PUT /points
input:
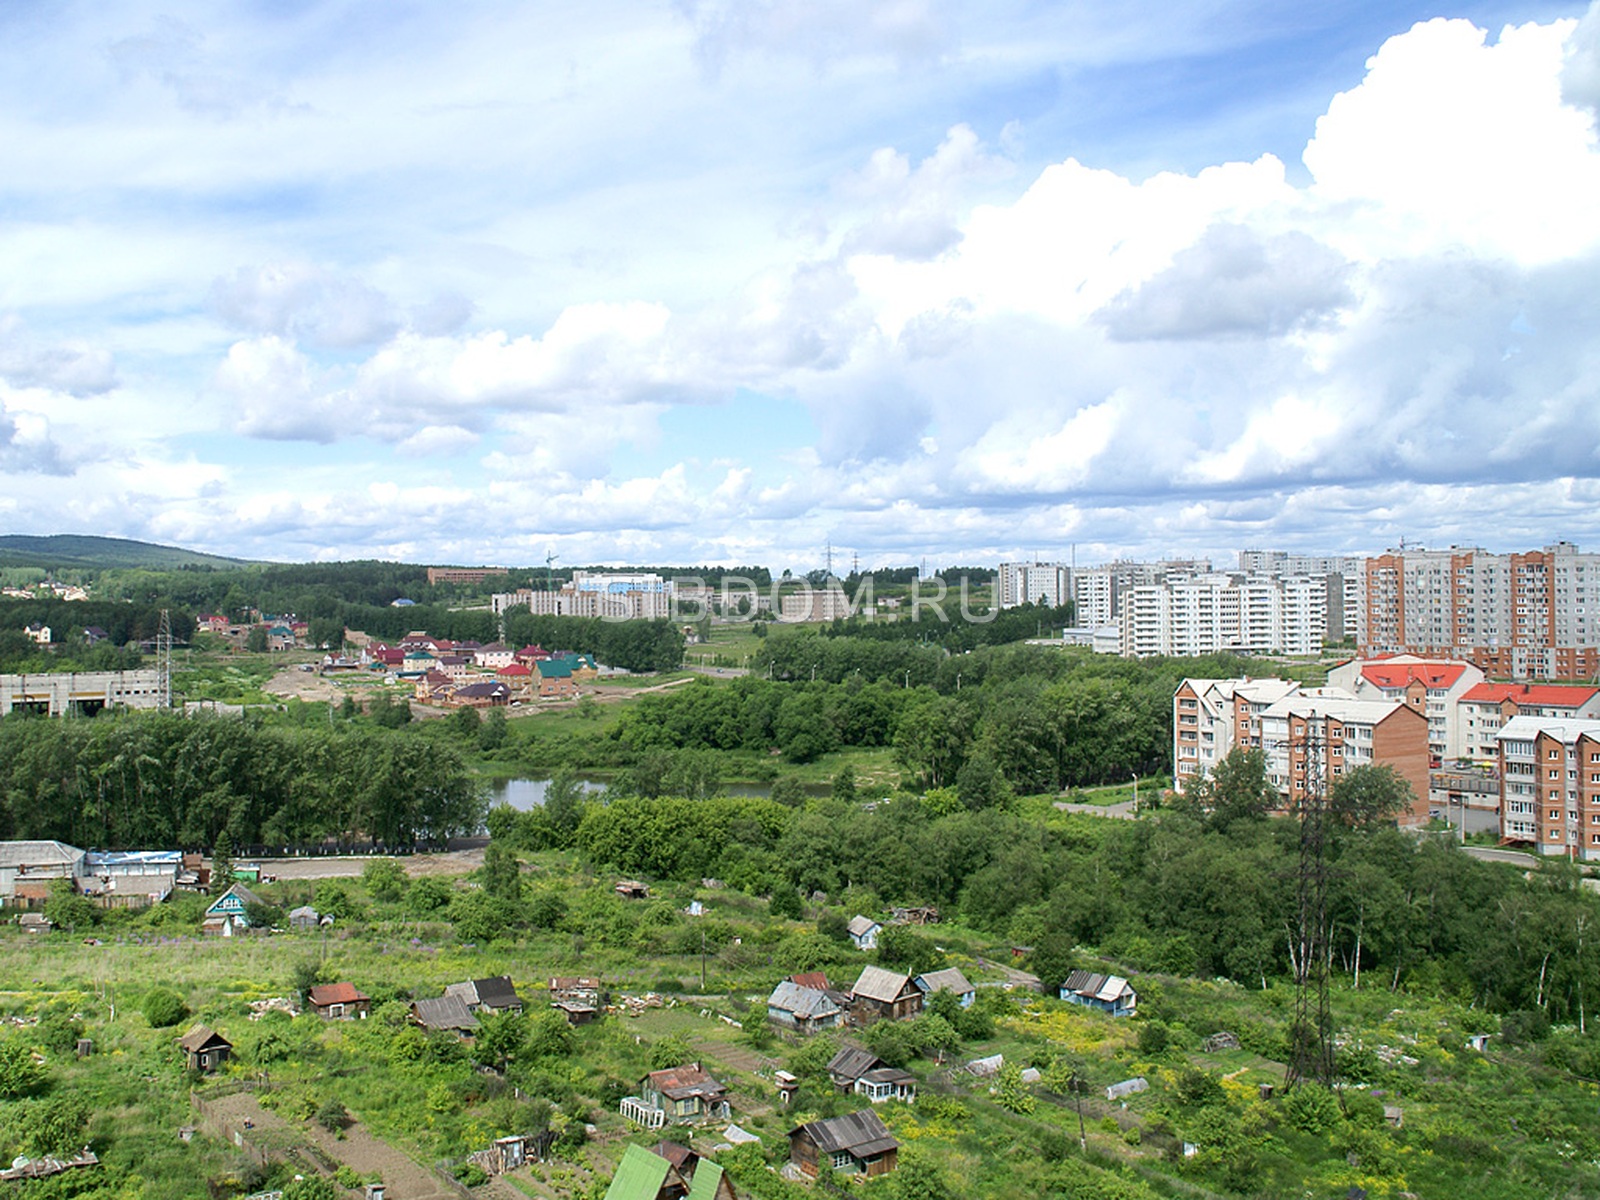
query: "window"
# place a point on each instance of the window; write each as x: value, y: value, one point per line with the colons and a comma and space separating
x: 841, y: 1159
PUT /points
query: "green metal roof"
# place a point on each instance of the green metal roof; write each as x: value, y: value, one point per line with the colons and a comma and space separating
x: 639, y: 1175
x: 706, y: 1177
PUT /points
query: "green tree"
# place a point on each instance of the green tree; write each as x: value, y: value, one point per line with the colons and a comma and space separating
x: 786, y: 903
x: 67, y: 909
x: 1370, y: 795
x: 221, y: 863
x: 670, y: 1051
x: 789, y: 790
x: 918, y: 1177
x: 1237, y: 791
x: 501, y: 1039
x: 256, y: 640
x: 307, y: 973
x: 899, y: 946
x: 1053, y: 960
x: 385, y: 880
x: 843, y: 785
x: 563, y: 808
x: 980, y: 785
x: 549, y: 1036
x: 1010, y: 1093
x: 428, y: 895
x: 163, y: 1008
x: 493, y: 734
x: 466, y: 722
x: 501, y: 874
x: 332, y: 1115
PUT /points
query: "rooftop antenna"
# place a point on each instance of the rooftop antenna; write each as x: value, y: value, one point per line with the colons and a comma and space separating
x: 550, y: 556
x: 829, y: 553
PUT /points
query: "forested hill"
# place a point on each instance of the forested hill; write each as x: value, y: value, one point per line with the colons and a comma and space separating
x: 80, y: 550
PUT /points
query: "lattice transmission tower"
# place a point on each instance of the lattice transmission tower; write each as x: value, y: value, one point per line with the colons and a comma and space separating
x: 164, y: 658
x: 1311, y: 1035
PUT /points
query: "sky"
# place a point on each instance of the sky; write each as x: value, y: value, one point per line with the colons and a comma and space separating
x: 734, y: 281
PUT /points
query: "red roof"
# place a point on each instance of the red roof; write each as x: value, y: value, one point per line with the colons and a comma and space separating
x: 816, y: 980
x: 514, y: 669
x: 325, y: 994
x: 1398, y: 675
x: 1542, y: 695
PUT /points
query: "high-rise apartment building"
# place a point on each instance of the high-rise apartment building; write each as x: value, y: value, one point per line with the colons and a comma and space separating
x: 1205, y: 614
x: 1527, y: 616
x: 1034, y: 583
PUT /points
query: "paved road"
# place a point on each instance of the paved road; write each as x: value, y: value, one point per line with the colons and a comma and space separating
x: 1494, y: 854
x: 1123, y: 811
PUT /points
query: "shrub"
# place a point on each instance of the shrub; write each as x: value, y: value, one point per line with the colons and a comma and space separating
x: 332, y: 1115
x: 164, y: 1008
x: 470, y: 1174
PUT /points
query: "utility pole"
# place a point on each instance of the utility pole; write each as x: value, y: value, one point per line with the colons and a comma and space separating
x: 702, y: 960
x: 1077, y: 1098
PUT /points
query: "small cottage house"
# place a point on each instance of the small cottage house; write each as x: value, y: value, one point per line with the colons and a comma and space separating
x: 1108, y: 993
x: 864, y: 932
x: 205, y: 1048
x: 339, y: 1002
x: 855, y: 1143
x: 886, y: 995
x: 802, y: 1009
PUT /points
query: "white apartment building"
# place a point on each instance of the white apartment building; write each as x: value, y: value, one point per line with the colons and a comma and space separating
x: 1346, y: 584
x: 1034, y: 583
x: 1204, y: 614
x: 613, y: 595
x: 1550, y: 784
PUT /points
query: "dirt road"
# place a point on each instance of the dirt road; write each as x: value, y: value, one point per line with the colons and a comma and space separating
x: 456, y: 862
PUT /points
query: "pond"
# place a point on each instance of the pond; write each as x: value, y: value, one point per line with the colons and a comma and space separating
x: 525, y: 794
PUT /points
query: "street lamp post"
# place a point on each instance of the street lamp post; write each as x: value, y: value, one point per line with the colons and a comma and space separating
x: 1136, y: 793
x: 908, y: 680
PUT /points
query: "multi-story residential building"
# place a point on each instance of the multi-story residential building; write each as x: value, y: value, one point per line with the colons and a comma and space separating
x: 1298, y: 729
x: 1328, y: 729
x: 1212, y: 716
x: 1097, y: 592
x: 463, y: 574
x: 1550, y: 781
x: 1534, y: 615
x: 1034, y: 583
x: 828, y: 603
x: 617, y: 596
x: 1485, y: 708
x: 1207, y: 613
x: 1344, y: 580
x: 1434, y: 687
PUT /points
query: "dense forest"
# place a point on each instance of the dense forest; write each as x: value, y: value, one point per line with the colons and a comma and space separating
x: 163, y: 780
x: 1044, y: 718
